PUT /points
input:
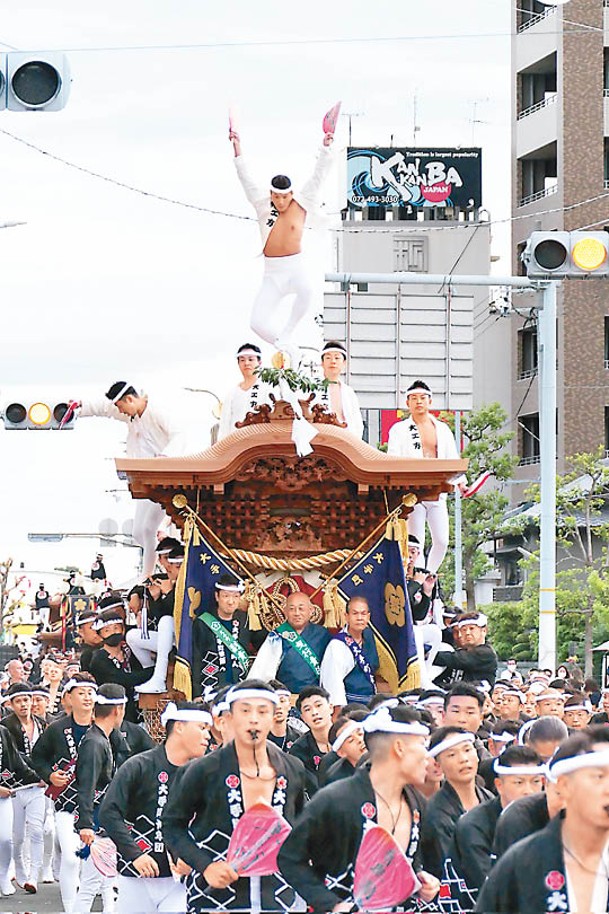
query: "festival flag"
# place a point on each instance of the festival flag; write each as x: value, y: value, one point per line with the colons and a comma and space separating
x: 379, y: 577
x: 201, y: 568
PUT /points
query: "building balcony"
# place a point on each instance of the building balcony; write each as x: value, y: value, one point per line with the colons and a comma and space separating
x: 537, y: 126
x: 536, y: 38
x: 606, y: 110
x: 538, y: 195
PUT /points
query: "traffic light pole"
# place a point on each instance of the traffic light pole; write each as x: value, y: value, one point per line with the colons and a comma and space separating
x: 547, y: 452
x: 547, y: 421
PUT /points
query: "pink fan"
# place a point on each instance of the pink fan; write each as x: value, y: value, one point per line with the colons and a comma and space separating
x: 103, y: 855
x: 331, y: 119
x: 232, y: 120
x: 476, y: 484
x: 383, y: 877
x: 256, y: 840
x: 69, y: 413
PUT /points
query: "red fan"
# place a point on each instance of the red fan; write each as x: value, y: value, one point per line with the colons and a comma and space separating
x: 383, y: 877
x: 103, y: 855
x: 69, y: 413
x: 53, y: 791
x: 477, y: 484
x: 331, y: 119
x: 256, y: 840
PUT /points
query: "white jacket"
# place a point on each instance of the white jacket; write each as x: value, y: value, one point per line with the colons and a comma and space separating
x: 350, y: 405
x: 238, y: 403
x: 260, y: 198
x: 157, y: 432
x: 404, y: 437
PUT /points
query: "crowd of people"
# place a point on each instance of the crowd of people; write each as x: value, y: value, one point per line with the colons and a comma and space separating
x: 495, y: 787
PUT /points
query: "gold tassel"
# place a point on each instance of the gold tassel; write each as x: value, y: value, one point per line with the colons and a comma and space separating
x: 334, y: 605
x: 253, y: 608
x: 182, y: 680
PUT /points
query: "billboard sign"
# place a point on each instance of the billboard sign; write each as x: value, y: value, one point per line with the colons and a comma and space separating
x: 390, y: 177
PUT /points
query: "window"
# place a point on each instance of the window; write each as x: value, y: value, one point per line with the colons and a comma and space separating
x: 529, y: 439
x: 527, y: 353
x: 607, y: 431
x: 607, y: 342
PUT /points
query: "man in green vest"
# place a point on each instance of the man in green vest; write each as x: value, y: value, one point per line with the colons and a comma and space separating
x: 221, y: 641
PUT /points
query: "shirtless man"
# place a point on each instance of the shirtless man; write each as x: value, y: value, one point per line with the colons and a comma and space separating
x: 281, y: 217
x: 248, y: 394
x: 338, y: 397
x: 425, y: 436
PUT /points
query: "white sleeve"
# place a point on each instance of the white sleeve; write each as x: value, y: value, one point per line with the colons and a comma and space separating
x: 450, y: 449
x: 353, y: 413
x: 172, y: 423
x: 225, y: 416
x: 338, y: 661
x: 394, y: 445
x: 253, y: 192
x: 267, y: 662
x: 312, y: 188
x: 102, y: 408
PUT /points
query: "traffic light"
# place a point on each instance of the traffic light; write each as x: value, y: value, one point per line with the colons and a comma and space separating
x: 38, y: 415
x: 34, y: 81
x: 567, y: 255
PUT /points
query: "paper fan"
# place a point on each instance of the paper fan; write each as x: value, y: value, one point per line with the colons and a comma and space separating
x: 383, y: 877
x: 103, y: 855
x: 476, y: 484
x: 256, y: 840
x: 331, y: 119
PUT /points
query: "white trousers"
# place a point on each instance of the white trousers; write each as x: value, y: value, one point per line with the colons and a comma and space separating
x: 92, y: 883
x: 28, y: 811
x: 436, y: 515
x: 427, y: 636
x: 271, y: 319
x: 6, y: 839
x: 69, y: 867
x: 147, y: 519
x: 146, y: 894
x: 157, y: 644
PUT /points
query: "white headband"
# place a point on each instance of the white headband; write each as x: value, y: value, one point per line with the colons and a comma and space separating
x: 481, y: 621
x: 172, y: 712
x: 74, y: 683
x: 333, y: 349
x: 418, y: 390
x: 243, y: 694
x: 577, y: 708
x: 598, y: 759
x: 518, y: 695
x: 231, y: 588
x: 381, y: 721
x: 283, y: 190
x: 165, y: 550
x: 518, y: 769
x: 103, y: 700
x: 543, y: 696
x: 250, y: 351
x: 432, y: 700
x: 453, y: 740
x: 523, y: 731
x: 101, y: 623
x: 122, y: 392
x: 347, y: 731
x: 220, y: 708
x: 502, y: 737
x: 285, y: 692
x: 177, y: 560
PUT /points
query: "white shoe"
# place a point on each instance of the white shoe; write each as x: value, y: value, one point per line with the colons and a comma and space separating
x: 154, y: 686
x: 30, y: 887
x: 7, y: 888
x: 47, y: 877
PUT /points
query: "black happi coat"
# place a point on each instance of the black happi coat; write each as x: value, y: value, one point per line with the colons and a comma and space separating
x: 443, y: 810
x: 339, y: 769
x: 318, y: 856
x: 107, y: 669
x: 211, y: 660
x: 204, y: 806
x: 306, y: 749
x: 13, y: 724
x: 57, y: 749
x: 131, y: 810
x: 130, y: 740
x: 14, y: 771
x: 519, y: 820
x: 473, y: 842
x: 530, y: 878
x: 477, y: 663
x: 94, y: 771
x: 286, y: 742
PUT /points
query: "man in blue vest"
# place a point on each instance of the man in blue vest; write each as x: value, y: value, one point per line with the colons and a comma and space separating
x: 351, y: 660
x: 293, y: 652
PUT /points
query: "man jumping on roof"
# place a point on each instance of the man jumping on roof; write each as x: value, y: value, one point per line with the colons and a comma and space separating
x: 282, y: 213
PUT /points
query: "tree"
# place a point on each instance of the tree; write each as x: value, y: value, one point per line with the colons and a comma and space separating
x: 485, y: 446
x: 582, y: 574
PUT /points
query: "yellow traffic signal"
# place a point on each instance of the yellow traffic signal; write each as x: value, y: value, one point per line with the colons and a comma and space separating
x: 37, y: 415
x: 567, y: 255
